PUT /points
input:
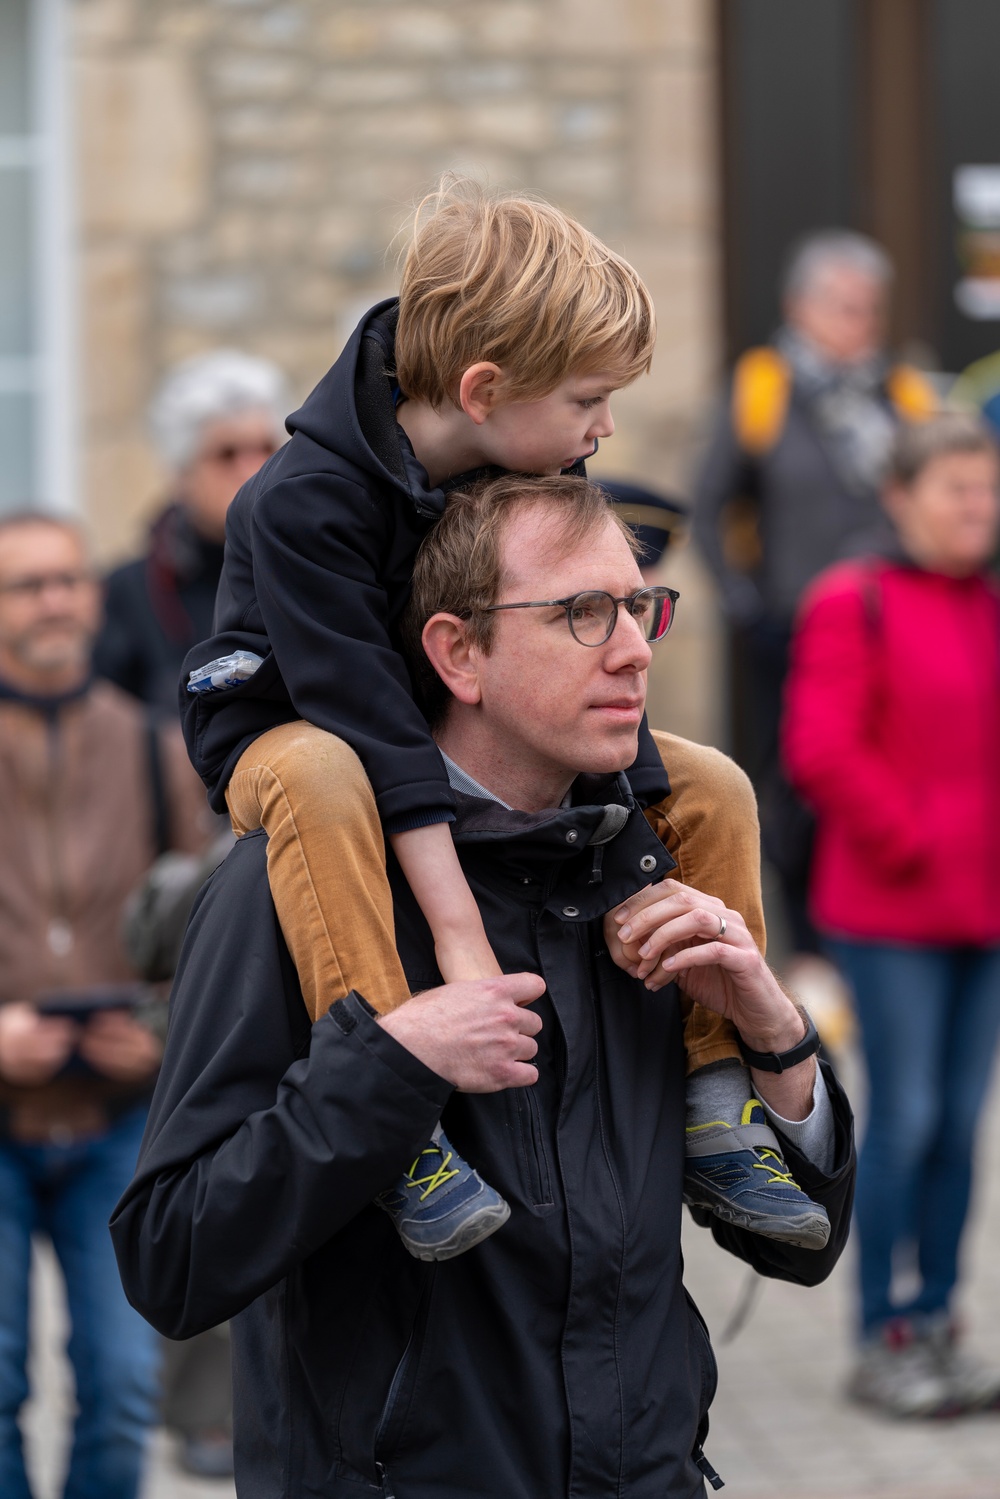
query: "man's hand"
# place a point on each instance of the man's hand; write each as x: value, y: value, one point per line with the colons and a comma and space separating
x: 475, y: 1034
x: 119, y: 1047
x: 33, y: 1047
x: 670, y: 931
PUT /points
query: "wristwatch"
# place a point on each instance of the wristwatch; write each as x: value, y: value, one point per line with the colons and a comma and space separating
x: 780, y: 1061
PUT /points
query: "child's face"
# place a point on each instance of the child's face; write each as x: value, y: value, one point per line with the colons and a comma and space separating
x: 553, y: 432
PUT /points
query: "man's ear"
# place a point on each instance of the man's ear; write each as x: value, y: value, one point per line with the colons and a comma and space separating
x: 447, y: 648
x: 479, y: 391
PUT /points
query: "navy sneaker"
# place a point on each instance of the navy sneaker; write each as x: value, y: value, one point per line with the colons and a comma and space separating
x: 441, y: 1206
x: 738, y: 1173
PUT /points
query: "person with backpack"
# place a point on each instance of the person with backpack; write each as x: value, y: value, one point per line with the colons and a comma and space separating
x: 90, y: 791
x: 788, y: 484
x: 892, y: 734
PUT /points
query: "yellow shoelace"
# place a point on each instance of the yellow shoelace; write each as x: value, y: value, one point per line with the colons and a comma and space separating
x: 785, y: 1177
x: 438, y: 1176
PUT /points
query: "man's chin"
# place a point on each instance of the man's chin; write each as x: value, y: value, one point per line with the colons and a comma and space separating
x: 607, y: 755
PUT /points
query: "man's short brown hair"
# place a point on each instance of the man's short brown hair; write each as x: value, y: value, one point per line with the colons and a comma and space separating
x: 459, y: 567
x: 515, y: 282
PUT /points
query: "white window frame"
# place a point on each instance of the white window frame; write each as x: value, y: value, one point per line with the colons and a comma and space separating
x: 49, y: 373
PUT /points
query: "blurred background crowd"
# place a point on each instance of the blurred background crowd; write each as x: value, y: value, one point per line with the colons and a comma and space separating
x: 196, y: 201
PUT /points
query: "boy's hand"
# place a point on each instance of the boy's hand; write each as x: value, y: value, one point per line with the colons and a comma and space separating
x: 477, y: 1035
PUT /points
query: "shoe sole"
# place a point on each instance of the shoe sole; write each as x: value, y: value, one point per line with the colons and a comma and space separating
x: 812, y: 1232
x: 470, y: 1233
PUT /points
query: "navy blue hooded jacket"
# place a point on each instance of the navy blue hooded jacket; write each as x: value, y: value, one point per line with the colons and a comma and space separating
x: 319, y: 558
x: 562, y: 1357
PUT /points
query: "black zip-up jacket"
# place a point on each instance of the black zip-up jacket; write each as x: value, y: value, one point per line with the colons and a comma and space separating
x: 156, y: 608
x: 319, y: 558
x: 562, y: 1357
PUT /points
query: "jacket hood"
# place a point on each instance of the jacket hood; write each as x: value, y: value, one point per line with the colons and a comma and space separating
x: 352, y: 411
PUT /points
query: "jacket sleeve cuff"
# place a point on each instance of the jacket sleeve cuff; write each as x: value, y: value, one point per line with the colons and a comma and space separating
x: 354, y: 1013
x: 406, y: 823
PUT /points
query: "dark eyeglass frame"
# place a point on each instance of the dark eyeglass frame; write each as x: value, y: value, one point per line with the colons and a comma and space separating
x: 659, y: 595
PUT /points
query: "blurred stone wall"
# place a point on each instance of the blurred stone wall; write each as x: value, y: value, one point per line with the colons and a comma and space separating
x: 243, y: 166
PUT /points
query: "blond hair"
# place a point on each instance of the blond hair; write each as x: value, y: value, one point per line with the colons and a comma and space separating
x: 459, y: 567
x: 515, y: 282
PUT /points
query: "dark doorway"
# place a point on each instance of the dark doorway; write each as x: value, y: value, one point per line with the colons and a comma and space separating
x: 860, y: 113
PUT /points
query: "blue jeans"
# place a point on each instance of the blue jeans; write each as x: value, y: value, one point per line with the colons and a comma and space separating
x: 929, y: 1020
x: 68, y: 1192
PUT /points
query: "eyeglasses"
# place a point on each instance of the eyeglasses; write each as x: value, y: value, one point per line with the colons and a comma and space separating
x: 592, y: 616
x: 33, y: 586
x: 231, y: 451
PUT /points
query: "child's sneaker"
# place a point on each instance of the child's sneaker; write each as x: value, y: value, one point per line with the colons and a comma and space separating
x: 441, y: 1206
x: 738, y: 1173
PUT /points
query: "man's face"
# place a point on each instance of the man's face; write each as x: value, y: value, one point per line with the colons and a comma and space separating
x: 553, y: 707
x: 842, y: 313
x: 50, y: 607
x: 230, y: 452
x: 553, y: 432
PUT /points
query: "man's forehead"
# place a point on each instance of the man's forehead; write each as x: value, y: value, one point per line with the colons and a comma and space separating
x: 537, y: 555
x: 38, y: 544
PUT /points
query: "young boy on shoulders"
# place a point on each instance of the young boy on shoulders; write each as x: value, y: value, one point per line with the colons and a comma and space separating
x: 513, y: 328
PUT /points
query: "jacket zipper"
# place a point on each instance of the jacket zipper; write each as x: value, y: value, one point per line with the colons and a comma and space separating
x: 387, y: 1488
x: 383, y: 1420
x: 606, y: 1152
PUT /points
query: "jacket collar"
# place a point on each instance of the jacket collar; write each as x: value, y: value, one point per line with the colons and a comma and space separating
x: 47, y: 705
x: 587, y: 856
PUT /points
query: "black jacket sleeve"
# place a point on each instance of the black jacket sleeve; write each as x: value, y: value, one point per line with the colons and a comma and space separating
x: 325, y: 560
x: 724, y: 473
x: 805, y: 1267
x: 266, y: 1135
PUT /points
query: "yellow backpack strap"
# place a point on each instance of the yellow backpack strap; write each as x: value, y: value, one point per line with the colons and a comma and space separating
x: 911, y: 393
x: 762, y: 383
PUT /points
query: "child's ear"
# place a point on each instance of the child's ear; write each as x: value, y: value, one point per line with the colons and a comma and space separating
x: 447, y: 648
x: 479, y: 390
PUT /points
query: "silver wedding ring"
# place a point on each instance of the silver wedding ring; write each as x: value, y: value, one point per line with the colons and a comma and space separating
x: 722, y: 926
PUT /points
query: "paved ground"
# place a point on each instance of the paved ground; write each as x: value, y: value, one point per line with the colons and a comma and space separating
x: 780, y: 1427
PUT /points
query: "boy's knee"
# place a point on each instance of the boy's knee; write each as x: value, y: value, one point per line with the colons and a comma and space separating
x: 301, y: 767
x: 299, y: 752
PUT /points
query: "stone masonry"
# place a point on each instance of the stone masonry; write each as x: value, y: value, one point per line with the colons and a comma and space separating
x: 243, y: 166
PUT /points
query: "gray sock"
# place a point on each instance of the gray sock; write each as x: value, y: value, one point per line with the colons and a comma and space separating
x: 718, y: 1091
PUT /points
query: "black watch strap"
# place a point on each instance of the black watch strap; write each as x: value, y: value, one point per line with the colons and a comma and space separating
x: 780, y: 1061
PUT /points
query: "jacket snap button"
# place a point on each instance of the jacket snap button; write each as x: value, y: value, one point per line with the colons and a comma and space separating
x: 647, y: 863
x: 572, y: 835
x: 571, y: 910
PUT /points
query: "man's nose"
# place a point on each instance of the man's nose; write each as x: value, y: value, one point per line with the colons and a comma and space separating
x: 628, y: 646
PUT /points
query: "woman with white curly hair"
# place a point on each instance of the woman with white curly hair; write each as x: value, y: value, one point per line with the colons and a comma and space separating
x: 214, y: 420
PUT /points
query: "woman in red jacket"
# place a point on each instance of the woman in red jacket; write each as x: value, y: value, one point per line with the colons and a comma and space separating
x: 892, y: 734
